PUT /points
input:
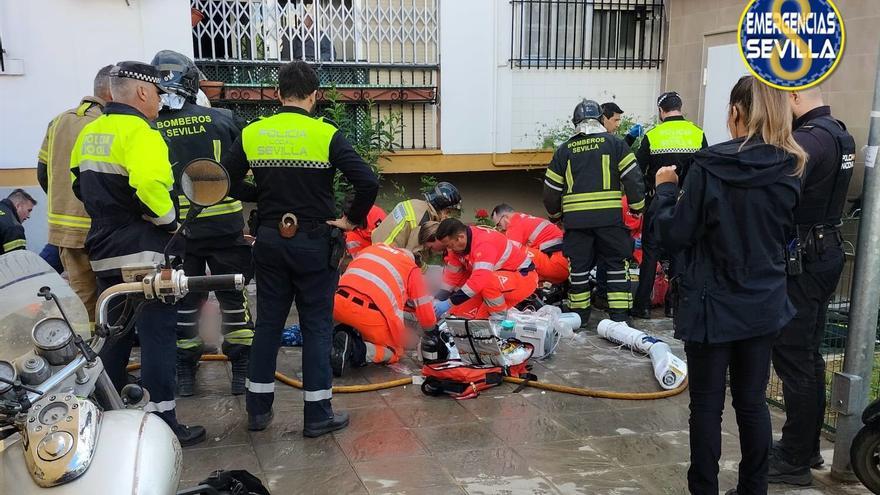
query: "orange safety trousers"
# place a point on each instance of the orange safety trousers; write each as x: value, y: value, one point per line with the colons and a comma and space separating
x: 551, y: 268
x: 505, y: 290
x: 384, y: 342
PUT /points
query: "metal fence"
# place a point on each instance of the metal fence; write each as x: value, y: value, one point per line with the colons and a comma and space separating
x: 836, y: 327
x: 617, y: 34
x: 357, y: 32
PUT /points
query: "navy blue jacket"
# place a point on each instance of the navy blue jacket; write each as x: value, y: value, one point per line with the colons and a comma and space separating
x: 730, y: 224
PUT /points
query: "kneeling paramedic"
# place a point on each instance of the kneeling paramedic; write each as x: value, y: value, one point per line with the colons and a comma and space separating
x: 379, y: 285
x: 541, y: 238
x: 402, y: 225
x: 485, y: 273
x: 582, y: 186
x: 121, y: 173
x: 294, y: 158
x: 214, y: 238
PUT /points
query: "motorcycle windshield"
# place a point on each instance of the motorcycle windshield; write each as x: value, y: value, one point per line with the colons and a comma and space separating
x: 22, y: 274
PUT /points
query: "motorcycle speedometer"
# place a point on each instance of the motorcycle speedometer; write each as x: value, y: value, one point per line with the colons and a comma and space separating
x: 7, y: 371
x: 50, y: 334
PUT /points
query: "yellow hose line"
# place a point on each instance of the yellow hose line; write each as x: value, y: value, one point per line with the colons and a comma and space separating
x: 586, y: 392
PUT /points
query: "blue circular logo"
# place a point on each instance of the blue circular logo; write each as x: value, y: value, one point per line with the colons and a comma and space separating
x: 791, y: 44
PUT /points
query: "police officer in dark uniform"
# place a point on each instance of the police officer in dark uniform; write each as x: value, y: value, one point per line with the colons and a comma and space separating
x: 796, y: 356
x: 214, y: 238
x: 671, y: 142
x: 582, y: 186
x: 294, y: 158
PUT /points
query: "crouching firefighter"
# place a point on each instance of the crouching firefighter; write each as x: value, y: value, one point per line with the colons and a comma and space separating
x: 214, y: 238
x: 485, y: 273
x: 402, y: 226
x: 542, y: 239
x: 379, y: 285
x: 582, y: 186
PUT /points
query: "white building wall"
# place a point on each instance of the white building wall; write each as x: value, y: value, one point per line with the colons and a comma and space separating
x: 61, y: 44
x: 487, y: 106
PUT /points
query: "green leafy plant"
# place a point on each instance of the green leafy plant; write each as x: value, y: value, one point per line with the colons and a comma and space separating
x: 428, y: 183
x: 369, y: 138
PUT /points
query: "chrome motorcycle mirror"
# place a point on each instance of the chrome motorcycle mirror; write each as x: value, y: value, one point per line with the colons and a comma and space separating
x: 204, y: 182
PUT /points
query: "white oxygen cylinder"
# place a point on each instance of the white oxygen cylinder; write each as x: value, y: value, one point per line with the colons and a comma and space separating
x: 669, y: 370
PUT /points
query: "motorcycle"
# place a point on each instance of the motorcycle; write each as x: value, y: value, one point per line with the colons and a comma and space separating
x: 865, y: 450
x: 63, y: 425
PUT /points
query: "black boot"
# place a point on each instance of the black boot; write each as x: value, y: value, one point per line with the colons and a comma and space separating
x: 781, y: 471
x: 238, y: 355
x: 643, y: 313
x: 186, y: 377
x: 337, y: 422
x: 816, y: 460
x: 259, y: 422
x: 189, y: 435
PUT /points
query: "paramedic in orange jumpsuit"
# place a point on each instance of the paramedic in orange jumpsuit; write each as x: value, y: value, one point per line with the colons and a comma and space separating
x: 360, y: 237
x: 541, y: 238
x: 379, y: 284
x: 485, y: 273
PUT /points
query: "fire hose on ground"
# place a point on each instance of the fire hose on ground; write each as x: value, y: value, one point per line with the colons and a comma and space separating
x: 586, y: 392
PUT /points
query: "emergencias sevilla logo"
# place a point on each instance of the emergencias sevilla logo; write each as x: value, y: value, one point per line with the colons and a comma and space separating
x: 791, y: 44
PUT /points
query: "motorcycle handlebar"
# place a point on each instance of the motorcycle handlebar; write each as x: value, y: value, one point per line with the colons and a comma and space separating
x: 215, y: 282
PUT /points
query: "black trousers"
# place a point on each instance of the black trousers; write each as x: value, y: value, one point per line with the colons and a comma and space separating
x: 287, y: 271
x: 796, y: 356
x: 155, y: 326
x: 748, y: 362
x: 610, y: 246
x: 651, y: 254
x: 222, y: 256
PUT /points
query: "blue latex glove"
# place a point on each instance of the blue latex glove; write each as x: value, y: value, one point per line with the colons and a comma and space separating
x: 442, y: 295
x: 635, y: 131
x: 458, y: 297
x: 441, y: 307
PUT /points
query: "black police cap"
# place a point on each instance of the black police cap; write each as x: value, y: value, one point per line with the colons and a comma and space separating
x: 140, y: 71
x: 669, y: 100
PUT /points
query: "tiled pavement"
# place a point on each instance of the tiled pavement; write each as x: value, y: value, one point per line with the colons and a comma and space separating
x: 400, y: 441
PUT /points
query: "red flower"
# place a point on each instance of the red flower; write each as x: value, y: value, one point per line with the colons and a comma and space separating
x: 482, y: 213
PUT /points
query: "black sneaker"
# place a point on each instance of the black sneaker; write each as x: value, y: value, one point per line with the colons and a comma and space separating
x: 781, y: 471
x: 340, y: 356
x: 186, y: 378
x: 337, y: 422
x: 259, y: 422
x: 816, y: 460
x: 190, y: 435
x: 643, y: 313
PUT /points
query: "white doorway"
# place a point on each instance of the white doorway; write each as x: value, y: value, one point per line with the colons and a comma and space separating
x: 723, y: 68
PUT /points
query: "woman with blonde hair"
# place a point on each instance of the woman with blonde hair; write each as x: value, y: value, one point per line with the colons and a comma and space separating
x: 732, y: 223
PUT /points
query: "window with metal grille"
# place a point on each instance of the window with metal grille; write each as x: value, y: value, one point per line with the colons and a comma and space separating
x: 586, y: 33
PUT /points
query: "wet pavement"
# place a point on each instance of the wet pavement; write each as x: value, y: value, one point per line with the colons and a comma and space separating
x: 502, y: 442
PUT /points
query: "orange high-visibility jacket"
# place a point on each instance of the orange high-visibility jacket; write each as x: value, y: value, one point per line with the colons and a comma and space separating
x: 359, y: 238
x: 534, y: 232
x: 487, y: 251
x: 392, y: 280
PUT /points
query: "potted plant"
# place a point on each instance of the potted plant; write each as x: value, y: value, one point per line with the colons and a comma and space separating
x: 196, y: 15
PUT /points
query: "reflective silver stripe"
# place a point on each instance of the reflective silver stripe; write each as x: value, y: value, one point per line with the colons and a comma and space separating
x: 452, y: 268
x: 628, y: 170
x: 234, y: 323
x: 371, y: 352
x: 617, y: 281
x: 423, y: 300
x: 359, y: 272
x: 508, y: 248
x: 615, y: 272
x: 350, y: 245
x: 526, y: 263
x: 483, y: 265
x: 165, y: 405
x: 549, y: 244
x: 388, y: 266
x: 497, y: 301
x: 186, y: 311
x: 186, y: 324
x: 102, y: 167
x: 552, y: 186
x: 316, y: 395
x: 233, y: 310
x: 141, y: 258
x: 165, y: 219
x: 467, y: 290
x: 580, y: 274
x: 580, y: 283
x: 260, y: 388
x: 534, y: 235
